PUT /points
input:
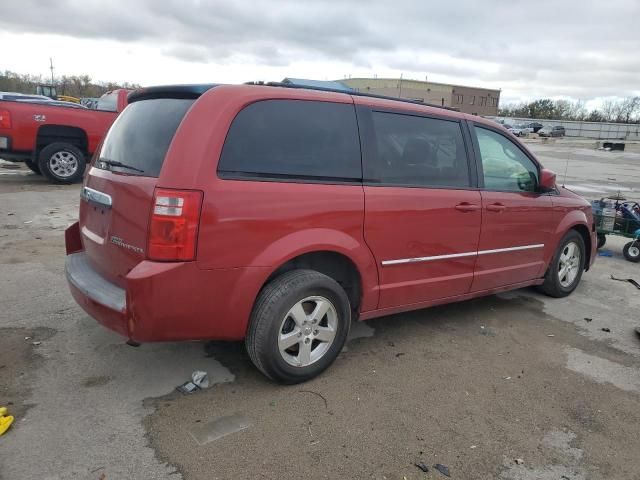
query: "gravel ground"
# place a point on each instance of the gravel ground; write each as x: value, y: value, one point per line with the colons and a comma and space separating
x: 514, y: 386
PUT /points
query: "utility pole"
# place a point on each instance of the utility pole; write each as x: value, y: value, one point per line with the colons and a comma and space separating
x: 400, y: 87
x: 51, y: 68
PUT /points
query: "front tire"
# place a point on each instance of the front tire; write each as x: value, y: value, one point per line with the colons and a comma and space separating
x: 631, y: 251
x: 298, y: 326
x: 566, y: 267
x: 62, y: 162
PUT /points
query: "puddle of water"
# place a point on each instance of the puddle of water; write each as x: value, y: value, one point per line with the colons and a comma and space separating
x: 219, y: 428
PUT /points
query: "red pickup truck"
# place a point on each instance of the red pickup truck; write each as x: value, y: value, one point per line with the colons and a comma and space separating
x: 56, y: 140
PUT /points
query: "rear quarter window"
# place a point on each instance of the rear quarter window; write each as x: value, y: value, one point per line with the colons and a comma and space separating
x: 293, y: 139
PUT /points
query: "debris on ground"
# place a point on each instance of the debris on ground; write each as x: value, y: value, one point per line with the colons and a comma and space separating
x: 638, y: 330
x: 630, y: 280
x: 605, y: 253
x: 550, y: 335
x: 326, y: 404
x: 519, y: 461
x: 606, y: 329
x: 199, y: 381
x: 443, y: 469
x: 422, y: 466
x: 36, y: 343
x: 5, y: 420
x: 587, y: 319
x: 399, y: 354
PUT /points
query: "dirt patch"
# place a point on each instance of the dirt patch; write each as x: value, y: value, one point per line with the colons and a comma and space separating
x: 19, y: 359
x: 96, y: 381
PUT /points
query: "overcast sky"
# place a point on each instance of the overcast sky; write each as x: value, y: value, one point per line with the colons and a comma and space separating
x: 586, y: 49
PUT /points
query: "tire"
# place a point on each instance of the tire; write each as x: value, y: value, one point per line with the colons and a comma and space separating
x: 631, y: 251
x: 559, y: 286
x: 602, y: 239
x: 274, y: 319
x: 62, y: 162
x: 33, y: 166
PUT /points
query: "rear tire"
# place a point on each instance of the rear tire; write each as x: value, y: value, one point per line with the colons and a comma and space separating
x: 566, y: 267
x: 631, y: 251
x: 291, y: 337
x: 33, y: 166
x: 62, y: 162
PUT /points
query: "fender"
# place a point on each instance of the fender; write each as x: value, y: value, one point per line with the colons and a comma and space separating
x: 323, y: 239
x: 570, y: 219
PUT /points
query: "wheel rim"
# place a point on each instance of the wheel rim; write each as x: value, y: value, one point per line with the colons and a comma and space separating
x: 63, y: 164
x: 569, y: 264
x: 634, y: 251
x: 307, y: 331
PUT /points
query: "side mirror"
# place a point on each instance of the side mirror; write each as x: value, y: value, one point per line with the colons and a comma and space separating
x: 547, y: 180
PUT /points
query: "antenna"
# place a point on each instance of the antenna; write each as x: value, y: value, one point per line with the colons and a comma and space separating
x: 566, y: 168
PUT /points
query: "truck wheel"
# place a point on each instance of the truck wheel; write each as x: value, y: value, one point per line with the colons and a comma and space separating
x: 566, y: 267
x: 33, y: 166
x: 298, y: 326
x: 631, y: 251
x: 62, y: 162
x: 602, y: 239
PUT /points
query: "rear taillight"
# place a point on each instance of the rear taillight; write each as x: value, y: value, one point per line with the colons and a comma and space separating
x: 173, y: 230
x: 5, y: 119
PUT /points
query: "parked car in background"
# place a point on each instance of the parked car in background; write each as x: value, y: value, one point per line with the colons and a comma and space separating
x: 534, y: 126
x: 277, y: 215
x: 557, y: 131
x: 55, y: 138
x: 520, y: 130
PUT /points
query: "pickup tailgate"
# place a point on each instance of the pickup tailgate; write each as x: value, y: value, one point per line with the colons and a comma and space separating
x: 118, y: 192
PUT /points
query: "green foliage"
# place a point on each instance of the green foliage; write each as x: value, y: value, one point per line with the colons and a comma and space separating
x: 624, y: 110
x: 75, y: 86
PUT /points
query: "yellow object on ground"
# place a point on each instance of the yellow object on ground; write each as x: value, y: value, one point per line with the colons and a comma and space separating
x: 3, y: 411
x: 5, y: 423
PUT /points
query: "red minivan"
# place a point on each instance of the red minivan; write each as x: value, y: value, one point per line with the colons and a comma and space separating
x: 278, y: 215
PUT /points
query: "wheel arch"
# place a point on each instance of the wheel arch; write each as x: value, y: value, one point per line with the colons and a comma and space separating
x: 48, y: 134
x: 329, y: 250
x: 574, y: 220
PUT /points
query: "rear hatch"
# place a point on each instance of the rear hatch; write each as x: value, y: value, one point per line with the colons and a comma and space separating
x: 118, y: 192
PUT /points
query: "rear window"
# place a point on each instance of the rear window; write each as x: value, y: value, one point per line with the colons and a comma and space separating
x: 108, y: 102
x: 293, y: 139
x: 141, y: 135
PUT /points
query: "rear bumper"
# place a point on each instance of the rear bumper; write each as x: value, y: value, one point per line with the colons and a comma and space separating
x: 99, y: 298
x: 166, y: 301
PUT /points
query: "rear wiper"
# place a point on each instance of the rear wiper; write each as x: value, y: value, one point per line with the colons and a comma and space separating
x: 115, y: 163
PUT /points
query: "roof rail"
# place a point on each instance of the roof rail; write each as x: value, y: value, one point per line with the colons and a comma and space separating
x: 353, y: 92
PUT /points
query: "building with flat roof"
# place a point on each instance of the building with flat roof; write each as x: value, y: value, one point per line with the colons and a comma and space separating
x: 473, y: 100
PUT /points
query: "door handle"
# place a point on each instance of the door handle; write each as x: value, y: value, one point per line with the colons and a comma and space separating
x: 496, y: 207
x: 467, y: 207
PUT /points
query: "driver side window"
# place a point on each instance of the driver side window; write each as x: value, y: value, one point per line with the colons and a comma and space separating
x: 504, y: 165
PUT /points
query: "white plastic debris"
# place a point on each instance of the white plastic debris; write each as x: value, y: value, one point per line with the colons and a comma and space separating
x: 200, y: 378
